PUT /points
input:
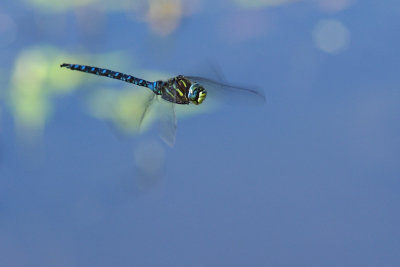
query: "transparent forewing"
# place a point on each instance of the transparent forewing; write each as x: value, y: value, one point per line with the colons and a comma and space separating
x: 167, y: 125
x: 228, y: 93
x: 167, y: 119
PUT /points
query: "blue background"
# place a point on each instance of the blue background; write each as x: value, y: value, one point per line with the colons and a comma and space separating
x: 311, y: 178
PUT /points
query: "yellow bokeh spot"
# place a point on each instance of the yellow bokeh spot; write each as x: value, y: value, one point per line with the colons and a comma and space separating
x: 64, y: 6
x: 164, y: 15
x: 36, y: 78
x: 31, y: 112
x: 59, y: 6
x: 123, y: 108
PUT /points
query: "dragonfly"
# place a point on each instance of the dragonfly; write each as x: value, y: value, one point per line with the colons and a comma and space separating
x: 178, y: 90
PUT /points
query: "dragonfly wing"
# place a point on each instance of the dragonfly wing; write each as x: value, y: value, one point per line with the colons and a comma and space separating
x: 167, y: 118
x: 149, y: 102
x: 229, y: 93
x: 168, y: 123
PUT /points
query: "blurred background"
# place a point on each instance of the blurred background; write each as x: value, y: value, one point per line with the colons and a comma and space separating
x: 311, y: 178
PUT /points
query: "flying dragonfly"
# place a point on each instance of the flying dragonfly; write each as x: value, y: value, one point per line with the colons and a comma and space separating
x: 178, y: 90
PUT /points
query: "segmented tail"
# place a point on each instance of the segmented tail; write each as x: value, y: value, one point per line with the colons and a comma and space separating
x: 113, y: 74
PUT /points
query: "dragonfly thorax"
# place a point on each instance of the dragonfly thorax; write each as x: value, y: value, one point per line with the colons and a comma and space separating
x: 181, y: 90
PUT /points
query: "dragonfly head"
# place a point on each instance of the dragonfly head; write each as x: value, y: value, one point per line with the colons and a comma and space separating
x: 197, y: 94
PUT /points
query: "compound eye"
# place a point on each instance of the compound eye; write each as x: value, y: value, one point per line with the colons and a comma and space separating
x: 194, y: 95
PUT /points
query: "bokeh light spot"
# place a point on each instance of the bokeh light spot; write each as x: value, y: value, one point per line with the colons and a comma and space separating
x: 331, y: 36
x: 334, y: 5
x: 164, y: 15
